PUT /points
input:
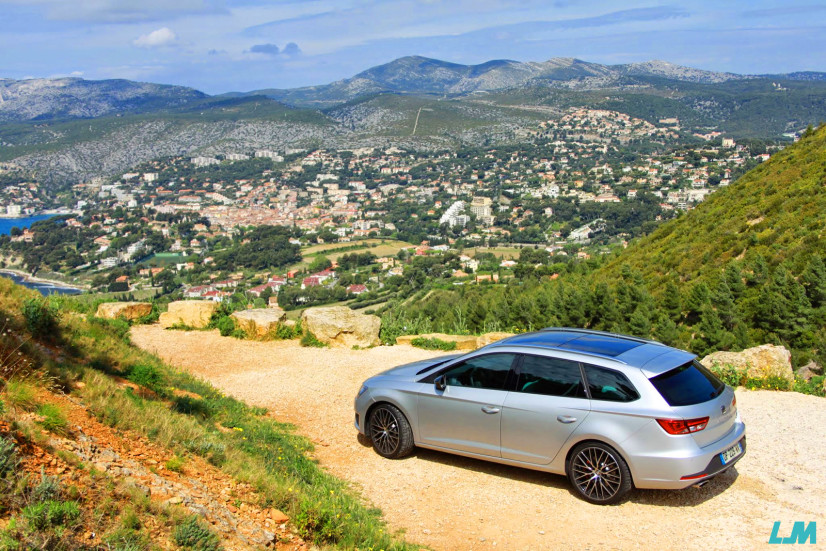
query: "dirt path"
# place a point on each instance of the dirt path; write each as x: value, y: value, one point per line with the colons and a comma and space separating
x: 449, y: 502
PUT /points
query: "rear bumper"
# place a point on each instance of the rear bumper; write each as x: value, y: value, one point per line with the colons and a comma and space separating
x: 680, y: 470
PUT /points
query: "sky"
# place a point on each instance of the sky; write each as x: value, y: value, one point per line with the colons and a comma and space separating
x: 241, y: 45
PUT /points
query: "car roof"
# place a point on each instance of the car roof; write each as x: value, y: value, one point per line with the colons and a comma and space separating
x: 651, y: 356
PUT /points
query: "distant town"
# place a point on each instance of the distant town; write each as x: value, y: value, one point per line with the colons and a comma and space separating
x: 579, y: 185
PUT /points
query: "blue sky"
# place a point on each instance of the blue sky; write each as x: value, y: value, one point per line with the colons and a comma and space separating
x: 224, y: 45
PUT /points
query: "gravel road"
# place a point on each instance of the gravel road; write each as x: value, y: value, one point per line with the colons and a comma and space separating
x: 449, y: 502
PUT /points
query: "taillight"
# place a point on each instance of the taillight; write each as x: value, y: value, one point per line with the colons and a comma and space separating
x: 734, y: 402
x: 683, y: 426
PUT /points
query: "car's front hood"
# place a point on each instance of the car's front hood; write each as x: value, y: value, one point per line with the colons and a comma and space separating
x: 409, y: 371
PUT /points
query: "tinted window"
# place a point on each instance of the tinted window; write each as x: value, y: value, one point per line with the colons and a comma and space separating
x: 550, y: 376
x: 688, y: 384
x: 489, y: 371
x: 609, y: 385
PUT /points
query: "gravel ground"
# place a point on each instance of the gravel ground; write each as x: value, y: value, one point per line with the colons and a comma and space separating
x: 449, y: 502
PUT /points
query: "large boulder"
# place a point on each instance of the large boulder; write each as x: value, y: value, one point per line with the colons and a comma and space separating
x: 488, y: 338
x: 259, y: 321
x: 463, y: 342
x: 125, y: 310
x: 191, y: 313
x: 761, y: 361
x: 340, y: 327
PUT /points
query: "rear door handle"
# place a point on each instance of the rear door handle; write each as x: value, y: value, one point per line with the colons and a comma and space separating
x: 490, y: 409
x: 565, y: 419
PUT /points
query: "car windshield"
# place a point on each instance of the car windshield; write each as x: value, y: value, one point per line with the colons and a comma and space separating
x: 688, y: 384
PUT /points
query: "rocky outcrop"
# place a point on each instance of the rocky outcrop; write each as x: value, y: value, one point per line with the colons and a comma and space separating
x: 340, y: 327
x: 759, y: 362
x: 259, y: 322
x: 125, y: 310
x: 191, y: 313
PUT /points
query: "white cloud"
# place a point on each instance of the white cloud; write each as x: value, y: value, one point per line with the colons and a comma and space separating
x: 161, y: 37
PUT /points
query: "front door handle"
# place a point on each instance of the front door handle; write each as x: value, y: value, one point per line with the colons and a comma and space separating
x: 565, y: 419
x: 490, y: 409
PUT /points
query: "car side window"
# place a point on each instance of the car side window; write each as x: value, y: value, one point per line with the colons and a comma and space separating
x: 609, y: 385
x: 489, y: 371
x: 551, y: 377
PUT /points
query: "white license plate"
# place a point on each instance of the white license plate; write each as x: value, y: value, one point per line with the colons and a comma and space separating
x: 731, y: 453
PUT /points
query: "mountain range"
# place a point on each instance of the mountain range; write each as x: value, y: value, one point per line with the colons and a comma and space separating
x: 71, y: 129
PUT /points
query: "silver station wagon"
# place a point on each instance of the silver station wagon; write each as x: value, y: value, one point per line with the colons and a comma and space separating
x: 611, y: 412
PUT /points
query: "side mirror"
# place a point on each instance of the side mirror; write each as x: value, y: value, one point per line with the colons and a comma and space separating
x: 440, y: 382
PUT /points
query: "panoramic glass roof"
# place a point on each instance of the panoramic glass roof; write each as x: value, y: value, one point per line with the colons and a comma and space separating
x: 604, y: 345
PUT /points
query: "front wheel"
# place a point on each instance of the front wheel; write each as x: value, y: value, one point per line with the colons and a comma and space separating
x: 599, y: 474
x: 390, y: 432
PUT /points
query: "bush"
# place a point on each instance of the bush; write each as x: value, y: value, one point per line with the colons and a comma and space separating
x: 20, y: 394
x: 47, y: 514
x: 147, y: 376
x: 48, y: 489
x: 175, y: 463
x: 433, y: 344
x: 224, y: 324
x: 41, y: 318
x: 8, y: 457
x: 284, y: 332
x: 308, y: 339
x: 54, y: 420
x: 195, y: 535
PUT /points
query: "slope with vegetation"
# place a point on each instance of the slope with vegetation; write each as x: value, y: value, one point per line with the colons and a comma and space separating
x: 104, y: 445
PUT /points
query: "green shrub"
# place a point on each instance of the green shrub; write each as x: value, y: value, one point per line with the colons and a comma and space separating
x: 47, y: 514
x: 224, y: 324
x: 433, y: 344
x: 9, y: 461
x: 175, y: 463
x: 20, y: 394
x: 41, y: 318
x: 195, y: 535
x: 48, y: 489
x: 54, y: 420
x: 284, y: 332
x: 814, y: 386
x: 148, y: 376
x: 308, y: 339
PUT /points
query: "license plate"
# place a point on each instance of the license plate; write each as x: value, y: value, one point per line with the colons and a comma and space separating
x: 731, y: 453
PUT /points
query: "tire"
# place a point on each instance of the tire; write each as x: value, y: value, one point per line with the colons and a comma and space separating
x: 390, y: 432
x: 599, y: 474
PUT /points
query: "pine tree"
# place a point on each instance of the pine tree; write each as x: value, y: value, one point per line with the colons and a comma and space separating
x: 640, y: 323
x: 712, y: 335
x: 724, y: 303
x: 814, y: 279
x: 697, y: 299
x: 734, y: 279
x: 672, y: 302
x: 666, y: 330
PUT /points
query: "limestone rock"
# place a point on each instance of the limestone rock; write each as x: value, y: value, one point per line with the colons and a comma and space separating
x: 463, y: 342
x: 259, y: 321
x: 487, y: 338
x: 126, y: 310
x: 761, y: 361
x: 340, y: 327
x: 192, y: 313
x: 808, y: 371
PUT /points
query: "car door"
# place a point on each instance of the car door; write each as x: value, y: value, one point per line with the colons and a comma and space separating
x: 547, y: 404
x: 465, y: 415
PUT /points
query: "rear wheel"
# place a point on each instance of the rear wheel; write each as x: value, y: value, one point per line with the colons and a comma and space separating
x: 599, y: 474
x: 390, y: 432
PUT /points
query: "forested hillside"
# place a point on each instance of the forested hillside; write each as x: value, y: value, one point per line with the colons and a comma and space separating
x: 744, y: 268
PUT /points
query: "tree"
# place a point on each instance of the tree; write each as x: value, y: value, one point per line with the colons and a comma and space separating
x: 814, y: 280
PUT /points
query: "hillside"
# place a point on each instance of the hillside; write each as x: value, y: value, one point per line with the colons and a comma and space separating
x: 103, y: 446
x: 776, y: 211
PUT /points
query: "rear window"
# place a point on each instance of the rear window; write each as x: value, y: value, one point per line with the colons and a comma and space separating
x: 688, y: 384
